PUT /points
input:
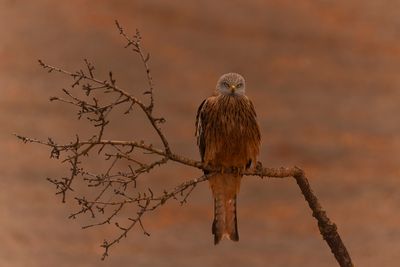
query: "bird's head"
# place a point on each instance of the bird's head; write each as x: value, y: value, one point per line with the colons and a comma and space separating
x: 231, y: 84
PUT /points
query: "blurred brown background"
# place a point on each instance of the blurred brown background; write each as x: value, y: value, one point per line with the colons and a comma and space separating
x: 324, y: 78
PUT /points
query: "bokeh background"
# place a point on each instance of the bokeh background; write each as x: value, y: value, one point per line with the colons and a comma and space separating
x: 323, y: 76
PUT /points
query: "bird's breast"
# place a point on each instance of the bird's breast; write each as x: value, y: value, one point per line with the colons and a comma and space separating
x: 230, y: 136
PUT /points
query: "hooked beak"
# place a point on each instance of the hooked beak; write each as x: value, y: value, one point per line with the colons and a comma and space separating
x: 233, y: 89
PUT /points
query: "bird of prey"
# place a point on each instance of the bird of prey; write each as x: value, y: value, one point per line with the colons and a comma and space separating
x: 228, y: 138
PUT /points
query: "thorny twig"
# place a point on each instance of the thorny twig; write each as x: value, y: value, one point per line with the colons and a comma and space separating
x: 117, y: 183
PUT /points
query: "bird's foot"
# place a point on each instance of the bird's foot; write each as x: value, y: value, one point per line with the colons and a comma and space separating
x: 259, y: 166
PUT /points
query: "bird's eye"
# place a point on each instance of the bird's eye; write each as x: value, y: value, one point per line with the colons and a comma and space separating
x: 239, y: 85
x: 225, y: 84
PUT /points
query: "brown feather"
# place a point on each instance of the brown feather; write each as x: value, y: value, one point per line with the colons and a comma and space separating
x: 228, y: 136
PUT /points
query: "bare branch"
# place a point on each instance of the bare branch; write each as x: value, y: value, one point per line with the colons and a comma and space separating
x: 114, y: 190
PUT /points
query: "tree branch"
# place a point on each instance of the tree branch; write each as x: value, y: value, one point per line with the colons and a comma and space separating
x: 112, y: 189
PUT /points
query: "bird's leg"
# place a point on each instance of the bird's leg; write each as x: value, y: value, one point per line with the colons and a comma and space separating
x: 259, y: 167
x: 236, y: 170
x: 222, y: 170
x: 240, y: 170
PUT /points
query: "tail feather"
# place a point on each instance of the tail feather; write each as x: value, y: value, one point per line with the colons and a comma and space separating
x: 219, y: 218
x: 231, y: 219
x: 225, y: 220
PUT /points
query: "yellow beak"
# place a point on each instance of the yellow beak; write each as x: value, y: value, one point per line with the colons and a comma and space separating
x: 233, y: 88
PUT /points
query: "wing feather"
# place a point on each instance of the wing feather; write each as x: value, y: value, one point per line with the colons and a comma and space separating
x: 201, y: 120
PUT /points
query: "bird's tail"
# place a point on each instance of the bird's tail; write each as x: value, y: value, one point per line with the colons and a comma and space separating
x: 225, y: 221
